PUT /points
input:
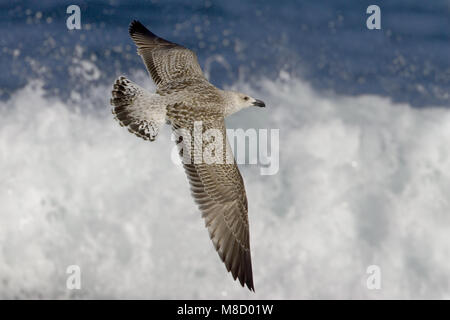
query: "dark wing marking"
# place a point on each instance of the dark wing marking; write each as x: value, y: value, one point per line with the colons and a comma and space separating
x: 166, y: 61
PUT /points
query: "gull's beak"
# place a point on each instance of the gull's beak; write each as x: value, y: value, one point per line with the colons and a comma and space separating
x: 259, y: 103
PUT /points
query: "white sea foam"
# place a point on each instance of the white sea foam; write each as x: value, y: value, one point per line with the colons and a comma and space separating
x: 362, y: 181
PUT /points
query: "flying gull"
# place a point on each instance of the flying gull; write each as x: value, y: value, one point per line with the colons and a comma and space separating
x: 184, y: 97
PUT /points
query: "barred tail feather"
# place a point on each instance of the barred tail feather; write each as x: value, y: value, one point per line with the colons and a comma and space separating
x: 135, y: 108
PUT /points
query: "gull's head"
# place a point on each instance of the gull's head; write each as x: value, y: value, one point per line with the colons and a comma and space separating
x: 238, y: 101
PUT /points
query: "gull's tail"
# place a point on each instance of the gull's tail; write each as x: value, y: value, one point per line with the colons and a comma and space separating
x: 137, y: 109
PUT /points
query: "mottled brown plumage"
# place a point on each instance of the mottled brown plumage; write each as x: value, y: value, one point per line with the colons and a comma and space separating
x: 184, y: 97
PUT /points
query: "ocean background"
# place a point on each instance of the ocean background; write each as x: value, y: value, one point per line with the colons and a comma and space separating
x: 364, y: 176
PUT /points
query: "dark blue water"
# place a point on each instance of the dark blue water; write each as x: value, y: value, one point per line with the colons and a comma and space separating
x: 324, y: 42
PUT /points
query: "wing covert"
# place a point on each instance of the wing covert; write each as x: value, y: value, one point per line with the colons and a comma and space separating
x: 165, y: 61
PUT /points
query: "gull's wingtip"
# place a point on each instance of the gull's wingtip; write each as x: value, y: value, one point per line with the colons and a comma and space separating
x: 135, y: 26
x: 249, y: 283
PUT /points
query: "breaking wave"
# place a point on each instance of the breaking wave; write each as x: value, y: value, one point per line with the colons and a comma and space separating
x: 362, y: 181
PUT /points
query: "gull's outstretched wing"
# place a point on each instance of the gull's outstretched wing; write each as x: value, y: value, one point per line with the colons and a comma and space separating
x: 166, y: 61
x: 220, y: 194
x: 219, y: 191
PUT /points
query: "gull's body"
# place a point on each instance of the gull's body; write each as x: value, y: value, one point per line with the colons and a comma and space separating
x: 184, y: 96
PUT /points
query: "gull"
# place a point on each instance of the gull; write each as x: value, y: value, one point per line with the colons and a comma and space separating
x: 184, y: 97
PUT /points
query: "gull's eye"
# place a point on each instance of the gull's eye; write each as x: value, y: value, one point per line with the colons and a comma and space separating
x: 245, y: 98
